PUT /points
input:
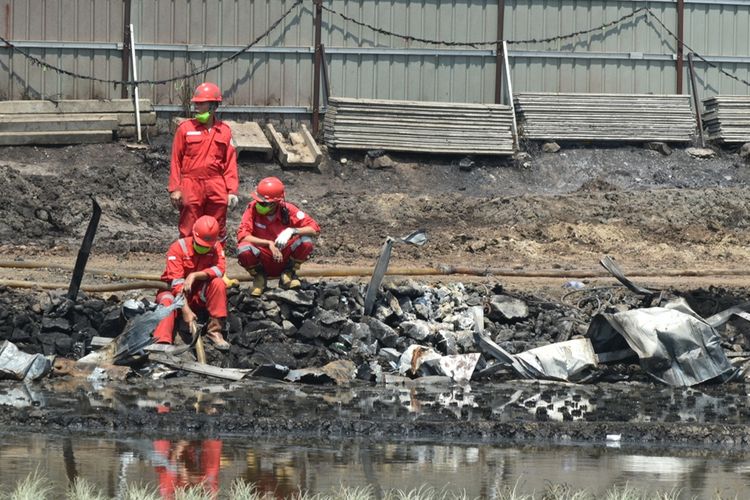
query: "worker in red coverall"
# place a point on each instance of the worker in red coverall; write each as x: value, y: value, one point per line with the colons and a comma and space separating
x: 195, y: 268
x: 203, y: 174
x: 274, y: 238
x: 183, y: 464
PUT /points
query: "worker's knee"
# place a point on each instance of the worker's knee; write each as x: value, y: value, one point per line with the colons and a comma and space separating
x: 302, y: 248
x: 248, y: 255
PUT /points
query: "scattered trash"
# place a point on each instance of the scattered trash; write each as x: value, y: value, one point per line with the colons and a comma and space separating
x: 574, y: 285
x: 18, y: 365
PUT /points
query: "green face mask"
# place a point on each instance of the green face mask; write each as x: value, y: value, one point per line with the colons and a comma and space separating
x: 203, y: 117
x: 201, y: 249
x: 263, y: 209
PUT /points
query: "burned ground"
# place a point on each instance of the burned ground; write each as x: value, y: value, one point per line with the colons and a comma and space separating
x: 552, y: 211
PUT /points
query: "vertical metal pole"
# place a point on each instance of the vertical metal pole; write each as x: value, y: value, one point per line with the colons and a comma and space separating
x: 125, y: 49
x: 680, y: 45
x: 324, y: 70
x: 510, y: 95
x: 135, y: 86
x: 316, y: 68
x: 498, y: 52
x: 696, y: 102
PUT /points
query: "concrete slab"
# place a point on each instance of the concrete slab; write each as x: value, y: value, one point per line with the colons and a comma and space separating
x: 57, y: 123
x: 66, y: 137
x: 248, y: 136
x: 75, y: 106
x: 299, y: 150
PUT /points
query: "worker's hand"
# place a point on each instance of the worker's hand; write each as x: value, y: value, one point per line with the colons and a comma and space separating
x: 232, y: 200
x: 276, y: 253
x: 283, y: 238
x: 175, y: 197
x: 188, y: 316
x: 187, y: 287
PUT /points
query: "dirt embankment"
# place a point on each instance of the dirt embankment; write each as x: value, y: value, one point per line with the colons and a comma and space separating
x: 564, y: 209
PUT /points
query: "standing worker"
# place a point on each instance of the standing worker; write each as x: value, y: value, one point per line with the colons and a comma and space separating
x: 195, y: 268
x: 203, y: 176
x: 274, y: 237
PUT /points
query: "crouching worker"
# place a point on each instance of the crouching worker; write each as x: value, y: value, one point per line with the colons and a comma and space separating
x: 195, y: 267
x: 274, y: 238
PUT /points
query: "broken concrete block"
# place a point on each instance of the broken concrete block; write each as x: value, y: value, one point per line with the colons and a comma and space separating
x: 550, y: 147
x: 294, y: 297
x: 661, y: 147
x: 701, y: 152
x: 508, y: 308
x: 418, y: 330
x: 413, y: 357
x: 383, y: 161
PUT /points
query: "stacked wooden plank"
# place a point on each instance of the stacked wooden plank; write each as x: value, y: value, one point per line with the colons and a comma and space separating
x: 417, y: 126
x: 70, y: 121
x: 727, y: 118
x: 605, y: 117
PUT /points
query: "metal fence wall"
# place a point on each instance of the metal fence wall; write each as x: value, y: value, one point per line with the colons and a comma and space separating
x: 174, y: 37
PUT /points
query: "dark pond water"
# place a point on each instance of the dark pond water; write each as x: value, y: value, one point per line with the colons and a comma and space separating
x: 323, y: 466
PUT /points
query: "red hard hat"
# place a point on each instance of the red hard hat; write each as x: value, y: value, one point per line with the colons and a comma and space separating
x: 269, y: 190
x: 206, y: 92
x: 206, y: 231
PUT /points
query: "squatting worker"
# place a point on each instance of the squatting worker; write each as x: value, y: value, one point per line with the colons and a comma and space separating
x: 203, y: 176
x: 275, y: 237
x: 195, y: 268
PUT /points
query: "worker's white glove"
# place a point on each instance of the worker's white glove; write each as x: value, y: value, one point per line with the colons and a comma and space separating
x: 283, y: 238
x: 232, y: 200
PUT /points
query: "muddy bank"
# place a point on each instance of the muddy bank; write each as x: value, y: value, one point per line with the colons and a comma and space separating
x: 641, y: 414
x: 651, y: 209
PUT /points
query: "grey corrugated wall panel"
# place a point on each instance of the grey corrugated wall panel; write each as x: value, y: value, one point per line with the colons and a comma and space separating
x: 416, y: 77
x: 285, y: 79
x: 60, y: 20
x: 253, y: 78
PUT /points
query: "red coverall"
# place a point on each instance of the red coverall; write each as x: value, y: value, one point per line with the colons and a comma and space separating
x: 186, y: 469
x: 266, y: 227
x: 204, y: 169
x: 182, y: 259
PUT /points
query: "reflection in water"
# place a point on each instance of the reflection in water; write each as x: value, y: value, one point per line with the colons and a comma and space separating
x: 183, y: 464
x: 282, y: 469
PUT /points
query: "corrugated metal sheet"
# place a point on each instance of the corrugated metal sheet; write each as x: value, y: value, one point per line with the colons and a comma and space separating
x: 55, y: 21
x: 176, y: 36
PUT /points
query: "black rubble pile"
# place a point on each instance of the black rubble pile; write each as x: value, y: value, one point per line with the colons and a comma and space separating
x: 310, y: 327
x: 324, y: 322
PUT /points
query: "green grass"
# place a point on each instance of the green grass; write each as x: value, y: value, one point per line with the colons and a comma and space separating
x: 37, y: 487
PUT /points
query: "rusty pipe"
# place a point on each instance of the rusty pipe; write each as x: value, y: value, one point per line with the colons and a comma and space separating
x: 439, y: 270
x: 112, y: 287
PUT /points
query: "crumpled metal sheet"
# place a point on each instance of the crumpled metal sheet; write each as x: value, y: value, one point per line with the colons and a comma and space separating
x: 18, y: 365
x: 568, y: 361
x: 675, y: 345
x: 139, y: 331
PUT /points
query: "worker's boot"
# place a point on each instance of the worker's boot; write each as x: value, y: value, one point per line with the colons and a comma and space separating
x: 229, y: 282
x: 288, y: 278
x: 214, y: 333
x: 259, y: 281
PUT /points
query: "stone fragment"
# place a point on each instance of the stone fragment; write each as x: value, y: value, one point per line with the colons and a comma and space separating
x: 503, y: 307
x: 418, y: 330
x: 550, y: 147
x: 701, y: 152
x: 661, y: 147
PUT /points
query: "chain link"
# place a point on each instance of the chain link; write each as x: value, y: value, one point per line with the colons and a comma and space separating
x: 475, y: 44
x: 724, y: 72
